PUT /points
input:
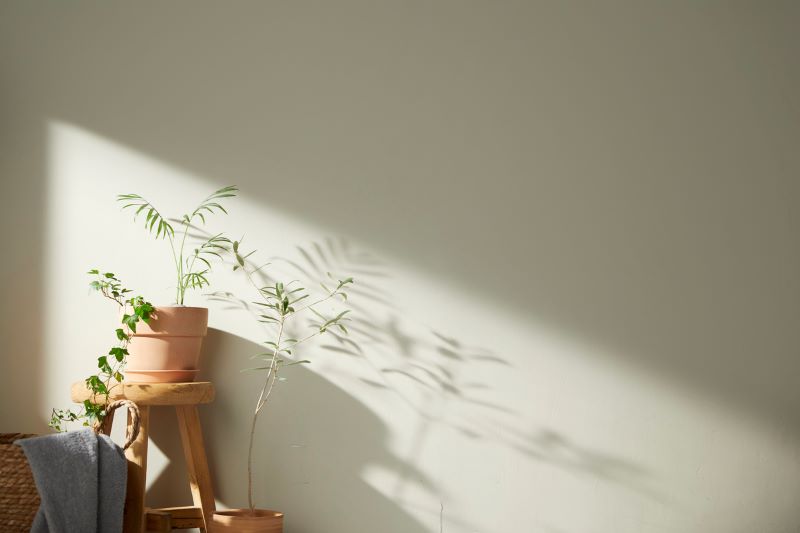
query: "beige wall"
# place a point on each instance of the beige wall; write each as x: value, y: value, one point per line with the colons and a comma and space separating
x: 573, y: 224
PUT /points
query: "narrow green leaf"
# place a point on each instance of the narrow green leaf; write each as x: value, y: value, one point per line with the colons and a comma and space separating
x: 303, y: 362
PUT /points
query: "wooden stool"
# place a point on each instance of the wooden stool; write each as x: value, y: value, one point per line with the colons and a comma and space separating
x: 184, y: 397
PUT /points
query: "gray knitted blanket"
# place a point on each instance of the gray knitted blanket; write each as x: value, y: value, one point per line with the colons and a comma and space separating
x: 81, y: 479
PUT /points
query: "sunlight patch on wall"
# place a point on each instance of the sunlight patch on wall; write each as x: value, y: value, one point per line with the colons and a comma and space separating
x: 437, y: 397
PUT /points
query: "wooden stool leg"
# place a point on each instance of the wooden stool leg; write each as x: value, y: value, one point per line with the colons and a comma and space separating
x: 196, y: 462
x: 137, y: 475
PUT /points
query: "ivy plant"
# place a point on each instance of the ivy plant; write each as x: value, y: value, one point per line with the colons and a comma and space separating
x: 109, y: 374
x: 193, y: 265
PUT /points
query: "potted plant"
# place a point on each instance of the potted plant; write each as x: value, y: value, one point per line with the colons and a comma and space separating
x: 154, y: 344
x: 166, y: 348
x: 279, y: 305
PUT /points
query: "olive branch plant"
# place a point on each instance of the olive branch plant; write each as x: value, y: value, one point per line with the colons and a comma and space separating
x: 279, y: 304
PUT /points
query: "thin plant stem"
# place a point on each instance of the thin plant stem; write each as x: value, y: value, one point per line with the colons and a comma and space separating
x: 178, y: 268
x: 181, y: 281
x: 266, y: 390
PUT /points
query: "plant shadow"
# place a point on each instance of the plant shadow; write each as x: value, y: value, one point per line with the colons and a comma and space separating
x: 312, y: 445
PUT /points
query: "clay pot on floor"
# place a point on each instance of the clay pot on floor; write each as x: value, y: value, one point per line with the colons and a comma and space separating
x: 242, y: 521
x: 167, y: 350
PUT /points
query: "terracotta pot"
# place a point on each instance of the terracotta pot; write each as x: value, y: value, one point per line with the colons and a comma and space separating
x: 168, y: 348
x: 241, y: 521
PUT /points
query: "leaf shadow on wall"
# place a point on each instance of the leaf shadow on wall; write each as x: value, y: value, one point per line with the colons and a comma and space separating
x: 440, y: 367
x: 316, y: 440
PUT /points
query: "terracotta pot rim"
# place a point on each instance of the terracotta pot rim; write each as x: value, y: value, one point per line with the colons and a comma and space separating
x: 175, y: 322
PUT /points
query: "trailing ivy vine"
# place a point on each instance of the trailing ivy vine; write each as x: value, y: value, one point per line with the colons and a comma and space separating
x: 110, y: 367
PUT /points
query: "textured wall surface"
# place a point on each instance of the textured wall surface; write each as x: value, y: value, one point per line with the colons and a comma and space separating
x: 573, y: 227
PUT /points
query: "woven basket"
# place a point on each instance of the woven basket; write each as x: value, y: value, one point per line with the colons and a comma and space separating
x: 19, y: 499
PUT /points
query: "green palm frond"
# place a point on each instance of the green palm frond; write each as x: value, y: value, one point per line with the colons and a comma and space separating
x: 211, y: 205
x: 212, y: 247
x: 154, y: 222
x: 196, y: 280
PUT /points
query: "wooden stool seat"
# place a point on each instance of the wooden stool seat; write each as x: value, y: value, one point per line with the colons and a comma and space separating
x: 152, y: 393
x: 184, y: 397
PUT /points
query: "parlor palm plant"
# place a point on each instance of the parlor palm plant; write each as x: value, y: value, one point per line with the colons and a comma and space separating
x: 167, y: 348
x: 191, y: 266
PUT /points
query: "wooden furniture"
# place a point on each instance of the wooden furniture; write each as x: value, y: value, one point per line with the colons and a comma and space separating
x: 184, y: 397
